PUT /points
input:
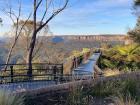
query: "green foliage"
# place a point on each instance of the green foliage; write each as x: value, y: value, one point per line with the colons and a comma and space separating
x: 120, y: 91
x: 135, y: 33
x: 130, y: 86
x: 7, y: 98
x: 102, y: 90
x: 110, y: 88
x: 125, y: 58
x: 108, y: 63
x: 105, y: 89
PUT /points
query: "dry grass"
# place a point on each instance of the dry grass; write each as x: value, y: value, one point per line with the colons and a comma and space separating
x: 78, y: 96
x: 8, y: 98
x: 109, y: 72
x: 120, y: 100
x: 67, y: 66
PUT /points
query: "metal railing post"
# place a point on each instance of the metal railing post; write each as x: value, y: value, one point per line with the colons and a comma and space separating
x: 74, y: 62
x: 12, y: 74
x: 99, y: 61
x: 54, y: 73
x: 62, y: 70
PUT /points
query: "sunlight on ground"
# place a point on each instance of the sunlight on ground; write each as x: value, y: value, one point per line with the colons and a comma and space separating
x: 109, y: 72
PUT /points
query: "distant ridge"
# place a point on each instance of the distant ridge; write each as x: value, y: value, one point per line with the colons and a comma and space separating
x: 91, y: 35
x: 101, y: 37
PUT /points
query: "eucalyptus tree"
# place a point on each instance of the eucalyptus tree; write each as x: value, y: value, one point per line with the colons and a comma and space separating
x: 135, y: 33
x: 25, y: 38
x: 44, y: 20
x: 43, y: 12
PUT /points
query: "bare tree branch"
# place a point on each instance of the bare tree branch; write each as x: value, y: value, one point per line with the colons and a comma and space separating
x: 52, y: 16
x: 18, y: 30
x: 37, y: 6
x: 46, y: 10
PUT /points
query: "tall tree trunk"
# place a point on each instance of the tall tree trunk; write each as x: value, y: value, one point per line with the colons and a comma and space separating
x: 32, y: 44
x: 30, y: 55
x: 37, y: 29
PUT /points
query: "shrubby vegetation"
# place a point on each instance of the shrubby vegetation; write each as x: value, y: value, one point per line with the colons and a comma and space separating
x: 123, y: 58
x: 118, y: 91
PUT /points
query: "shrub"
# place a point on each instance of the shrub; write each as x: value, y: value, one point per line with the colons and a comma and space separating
x: 124, y: 58
x: 130, y: 88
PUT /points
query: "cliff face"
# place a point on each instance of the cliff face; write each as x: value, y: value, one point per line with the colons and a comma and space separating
x: 95, y: 37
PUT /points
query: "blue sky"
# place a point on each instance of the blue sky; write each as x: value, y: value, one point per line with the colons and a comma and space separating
x: 85, y: 17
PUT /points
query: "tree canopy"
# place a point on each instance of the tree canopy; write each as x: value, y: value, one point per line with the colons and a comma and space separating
x: 137, y: 2
x: 135, y: 33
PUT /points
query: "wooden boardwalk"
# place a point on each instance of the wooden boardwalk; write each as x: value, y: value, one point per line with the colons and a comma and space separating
x: 88, y: 67
x: 84, y: 70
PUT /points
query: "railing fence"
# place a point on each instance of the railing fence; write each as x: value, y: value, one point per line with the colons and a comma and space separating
x: 41, y: 72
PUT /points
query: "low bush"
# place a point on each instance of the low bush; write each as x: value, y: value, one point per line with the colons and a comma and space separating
x: 124, y: 58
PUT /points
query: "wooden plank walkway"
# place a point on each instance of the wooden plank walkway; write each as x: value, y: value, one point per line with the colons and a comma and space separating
x: 88, y: 67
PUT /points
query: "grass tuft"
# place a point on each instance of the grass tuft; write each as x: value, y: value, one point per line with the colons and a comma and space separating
x: 124, y: 100
x: 8, y: 98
